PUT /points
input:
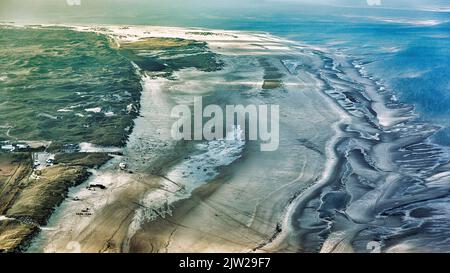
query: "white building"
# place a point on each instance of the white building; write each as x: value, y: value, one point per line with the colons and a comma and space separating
x: 8, y: 147
x: 22, y: 146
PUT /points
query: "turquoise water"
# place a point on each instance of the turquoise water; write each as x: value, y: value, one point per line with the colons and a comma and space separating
x: 407, y: 49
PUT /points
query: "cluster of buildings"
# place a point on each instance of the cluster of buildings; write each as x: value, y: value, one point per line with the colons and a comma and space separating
x: 13, y: 147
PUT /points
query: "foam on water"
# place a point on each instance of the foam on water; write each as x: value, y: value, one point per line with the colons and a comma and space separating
x: 211, y: 155
x: 92, y: 148
x: 93, y: 110
x: 188, y: 175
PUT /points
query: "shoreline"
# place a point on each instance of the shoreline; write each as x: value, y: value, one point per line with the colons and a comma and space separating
x: 300, y: 201
x: 373, y: 118
x: 394, y: 132
x: 271, y: 41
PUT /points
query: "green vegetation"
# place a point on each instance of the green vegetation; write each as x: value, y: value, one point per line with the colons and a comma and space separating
x: 14, y: 168
x: 39, y: 197
x: 91, y: 160
x: 13, y: 233
x: 51, y: 77
x: 272, y: 76
x: 70, y: 87
x: 159, y: 44
x: 166, y: 55
x: 271, y: 84
x: 28, y: 197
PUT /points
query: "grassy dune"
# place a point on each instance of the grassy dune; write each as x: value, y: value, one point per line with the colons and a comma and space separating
x: 62, y: 74
x: 28, y: 200
x: 13, y: 233
x: 166, y: 55
x: 30, y: 196
x: 53, y: 76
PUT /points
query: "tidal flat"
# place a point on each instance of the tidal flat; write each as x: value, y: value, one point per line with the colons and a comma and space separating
x: 351, y: 167
x: 67, y: 127
x: 180, y: 191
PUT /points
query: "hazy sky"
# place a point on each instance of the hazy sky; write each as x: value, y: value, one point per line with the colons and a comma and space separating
x: 60, y: 10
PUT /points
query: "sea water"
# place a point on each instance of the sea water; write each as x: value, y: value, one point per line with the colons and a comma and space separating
x: 405, y: 51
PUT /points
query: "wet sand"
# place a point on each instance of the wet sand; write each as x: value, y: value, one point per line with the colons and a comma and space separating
x: 354, y: 167
x: 247, y: 205
x: 349, y: 156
